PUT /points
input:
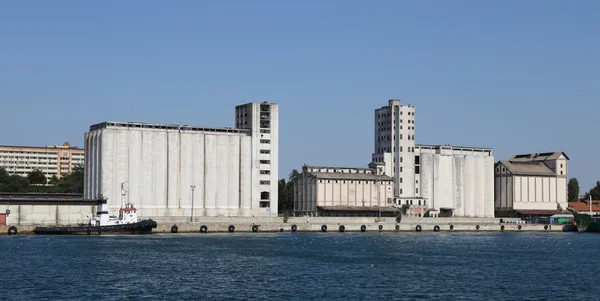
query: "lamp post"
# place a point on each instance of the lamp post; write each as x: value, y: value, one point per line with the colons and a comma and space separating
x: 192, y: 217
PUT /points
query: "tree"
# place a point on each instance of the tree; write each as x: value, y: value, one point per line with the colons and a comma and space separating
x: 71, y: 182
x: 16, y: 183
x: 594, y: 192
x: 294, y: 174
x: 4, y: 177
x: 281, y: 193
x: 573, y: 188
x: 53, y: 181
x: 36, y: 176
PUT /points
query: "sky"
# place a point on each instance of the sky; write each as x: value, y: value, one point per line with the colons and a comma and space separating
x: 515, y: 76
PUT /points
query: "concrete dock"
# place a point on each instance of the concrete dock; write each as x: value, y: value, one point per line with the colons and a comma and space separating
x: 335, y: 224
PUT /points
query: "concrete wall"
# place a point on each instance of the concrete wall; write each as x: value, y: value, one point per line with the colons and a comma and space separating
x: 48, y: 214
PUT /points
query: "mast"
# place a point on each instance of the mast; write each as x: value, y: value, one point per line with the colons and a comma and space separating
x: 123, y: 193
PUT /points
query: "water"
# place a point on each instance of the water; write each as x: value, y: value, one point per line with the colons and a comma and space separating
x: 302, y: 266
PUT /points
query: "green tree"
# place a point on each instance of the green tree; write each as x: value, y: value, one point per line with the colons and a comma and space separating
x: 53, y: 180
x: 71, y: 182
x: 36, y: 176
x: 294, y: 174
x: 573, y: 188
x: 4, y: 177
x: 594, y: 192
x: 281, y: 194
x: 16, y: 183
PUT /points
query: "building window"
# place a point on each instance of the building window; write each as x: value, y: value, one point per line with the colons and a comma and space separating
x: 561, y: 172
x: 400, y: 159
x: 265, y: 182
x: 400, y: 168
x: 265, y: 172
x: 419, y: 202
x: 401, y: 193
x: 265, y: 151
x: 417, y: 191
x: 265, y: 141
x: 561, y: 166
x: 400, y: 180
x: 265, y: 204
x: 265, y: 161
x: 417, y: 181
x: 264, y: 195
x: 417, y: 169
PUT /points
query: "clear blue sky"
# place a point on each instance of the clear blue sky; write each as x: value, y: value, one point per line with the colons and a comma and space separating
x: 516, y: 76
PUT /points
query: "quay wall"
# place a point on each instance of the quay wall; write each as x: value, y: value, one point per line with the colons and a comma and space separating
x: 218, y: 225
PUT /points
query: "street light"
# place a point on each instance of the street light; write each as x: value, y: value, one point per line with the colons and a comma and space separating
x: 192, y: 217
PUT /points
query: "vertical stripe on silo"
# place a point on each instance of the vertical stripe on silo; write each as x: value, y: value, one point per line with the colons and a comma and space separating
x: 198, y: 173
x: 233, y: 172
x: 459, y: 185
x: 160, y: 170
x: 173, y: 155
x: 222, y: 172
x: 107, y: 163
x: 246, y: 175
x: 489, y: 186
x: 479, y: 186
x: 135, y: 167
x: 210, y: 174
x: 425, y: 183
x: 185, y: 174
x: 148, y: 200
x: 469, y: 186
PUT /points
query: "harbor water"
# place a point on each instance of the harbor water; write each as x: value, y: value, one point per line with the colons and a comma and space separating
x: 302, y: 266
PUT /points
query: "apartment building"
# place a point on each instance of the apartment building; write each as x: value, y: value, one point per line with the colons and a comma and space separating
x: 51, y: 160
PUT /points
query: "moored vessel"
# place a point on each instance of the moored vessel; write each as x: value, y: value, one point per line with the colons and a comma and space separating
x: 587, y: 222
x: 126, y: 223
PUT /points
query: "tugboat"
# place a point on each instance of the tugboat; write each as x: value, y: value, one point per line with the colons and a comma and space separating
x: 126, y: 223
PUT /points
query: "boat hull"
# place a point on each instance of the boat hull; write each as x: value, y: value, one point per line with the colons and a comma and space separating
x: 586, y: 223
x: 141, y: 227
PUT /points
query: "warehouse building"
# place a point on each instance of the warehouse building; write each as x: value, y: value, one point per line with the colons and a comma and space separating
x: 343, y: 191
x: 531, y: 184
x: 450, y: 180
x: 188, y: 171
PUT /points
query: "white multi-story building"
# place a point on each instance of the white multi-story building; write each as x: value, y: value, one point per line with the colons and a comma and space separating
x: 50, y: 160
x: 457, y: 181
x: 531, y: 184
x: 182, y: 171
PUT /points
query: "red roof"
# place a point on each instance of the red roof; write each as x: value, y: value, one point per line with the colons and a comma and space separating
x: 584, y: 206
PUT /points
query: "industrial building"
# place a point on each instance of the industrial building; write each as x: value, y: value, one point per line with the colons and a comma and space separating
x: 188, y: 171
x: 449, y: 180
x: 343, y: 191
x: 50, y: 160
x: 531, y: 184
x: 428, y: 180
